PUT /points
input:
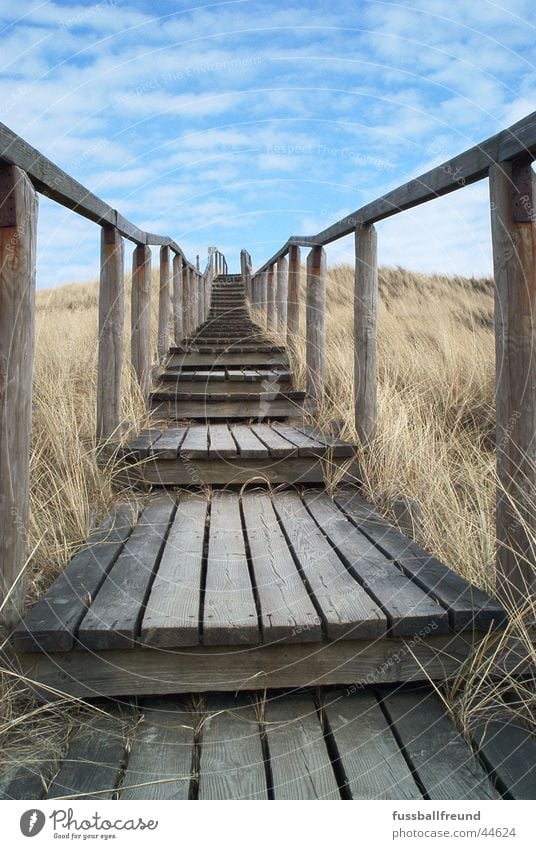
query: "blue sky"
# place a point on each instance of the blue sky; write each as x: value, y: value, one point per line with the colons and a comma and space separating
x: 240, y: 123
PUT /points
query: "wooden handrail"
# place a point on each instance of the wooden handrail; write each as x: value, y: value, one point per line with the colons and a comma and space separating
x: 505, y: 159
x: 24, y: 172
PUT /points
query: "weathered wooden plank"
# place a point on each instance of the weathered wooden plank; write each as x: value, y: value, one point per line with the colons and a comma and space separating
x: 365, y: 332
x: 140, y: 334
x: 368, y: 756
x: 248, y: 444
x: 337, y: 447
x: 114, y: 617
x: 164, y: 303
x: 230, y: 471
x: 221, y: 443
x: 111, y: 324
x: 509, y: 752
x: 276, y: 444
x: 167, y: 446
x: 299, y: 761
x: 141, y: 445
x: 306, y: 445
x: 315, y: 313
x: 346, y: 609
x: 186, y: 313
x: 468, y: 607
x: 171, y: 615
x: 178, y: 329
x: 232, y: 761
x: 408, y: 608
x: 282, y: 294
x: 18, y: 227
x: 271, y: 317
x: 442, y: 760
x: 52, y: 623
x: 512, y: 198
x: 293, y: 313
x: 229, y: 614
x: 26, y: 781
x: 161, y: 755
x: 230, y: 668
x: 91, y: 768
x: 195, y: 442
x: 287, y: 612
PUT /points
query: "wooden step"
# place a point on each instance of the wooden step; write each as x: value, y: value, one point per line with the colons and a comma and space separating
x: 226, y: 358
x: 258, y: 406
x: 234, y: 453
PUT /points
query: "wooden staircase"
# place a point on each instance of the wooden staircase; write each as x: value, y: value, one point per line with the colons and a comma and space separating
x: 226, y: 412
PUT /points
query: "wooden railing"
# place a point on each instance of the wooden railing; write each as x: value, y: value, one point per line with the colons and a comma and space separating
x: 505, y: 160
x: 24, y: 172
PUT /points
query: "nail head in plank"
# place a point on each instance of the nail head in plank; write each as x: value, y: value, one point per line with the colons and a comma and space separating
x: 347, y: 610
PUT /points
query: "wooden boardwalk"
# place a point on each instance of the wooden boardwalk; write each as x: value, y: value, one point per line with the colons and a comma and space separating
x: 392, y: 743
x: 210, y: 587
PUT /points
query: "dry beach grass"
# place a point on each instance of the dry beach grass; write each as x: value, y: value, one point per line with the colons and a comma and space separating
x: 434, y: 444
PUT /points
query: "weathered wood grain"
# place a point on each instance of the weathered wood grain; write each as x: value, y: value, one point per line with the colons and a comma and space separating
x: 271, y: 294
x: 439, y: 755
x: 229, y: 613
x: 365, y: 332
x: 52, y: 623
x: 111, y: 328
x: 161, y: 755
x: 140, y: 334
x: 178, y: 330
x: 408, y: 608
x: 293, y: 313
x: 508, y: 751
x: 468, y: 606
x: 299, y: 760
x: 171, y: 616
x: 282, y: 294
x: 368, y: 755
x: 18, y: 211
x: 512, y: 196
x: 232, y: 761
x: 346, y: 609
x: 164, y: 303
x: 315, y: 312
x: 114, y: 618
x: 287, y: 612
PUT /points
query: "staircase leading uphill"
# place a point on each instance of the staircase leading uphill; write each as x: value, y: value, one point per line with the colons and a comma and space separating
x: 226, y: 412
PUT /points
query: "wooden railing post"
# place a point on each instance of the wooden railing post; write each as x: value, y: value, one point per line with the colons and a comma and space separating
x: 178, y: 332
x: 18, y: 224
x: 201, y: 313
x: 186, y: 318
x: 111, y: 330
x: 163, y: 304
x: 282, y: 293
x: 194, y: 299
x: 262, y: 289
x: 140, y: 339
x: 513, y: 198
x: 293, y: 310
x: 365, y: 332
x: 270, y: 298
x: 316, y: 323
